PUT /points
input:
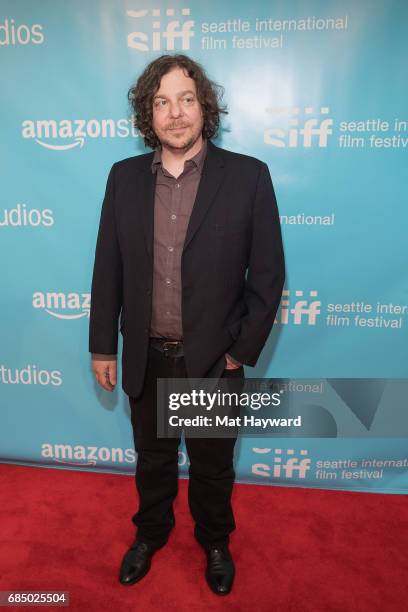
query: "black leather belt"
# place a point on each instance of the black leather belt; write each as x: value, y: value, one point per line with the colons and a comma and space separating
x: 169, y: 347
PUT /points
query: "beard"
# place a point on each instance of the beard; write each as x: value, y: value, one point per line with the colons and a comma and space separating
x: 180, y: 141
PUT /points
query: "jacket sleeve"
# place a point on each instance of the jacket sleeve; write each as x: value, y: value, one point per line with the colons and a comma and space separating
x: 265, y: 275
x: 106, y: 291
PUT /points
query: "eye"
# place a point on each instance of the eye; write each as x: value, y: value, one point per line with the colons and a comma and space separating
x: 159, y: 102
x: 188, y: 99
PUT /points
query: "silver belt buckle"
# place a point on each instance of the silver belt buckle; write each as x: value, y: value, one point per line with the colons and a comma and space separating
x: 169, y: 342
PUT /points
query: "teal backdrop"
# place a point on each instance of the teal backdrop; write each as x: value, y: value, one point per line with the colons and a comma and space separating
x: 315, y: 88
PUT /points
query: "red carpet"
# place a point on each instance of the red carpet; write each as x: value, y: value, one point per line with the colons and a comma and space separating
x: 295, y: 549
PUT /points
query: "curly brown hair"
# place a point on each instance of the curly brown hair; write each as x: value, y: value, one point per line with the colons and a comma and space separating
x: 140, y: 96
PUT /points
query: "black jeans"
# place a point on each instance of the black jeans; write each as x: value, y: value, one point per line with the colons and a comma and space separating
x: 211, y: 471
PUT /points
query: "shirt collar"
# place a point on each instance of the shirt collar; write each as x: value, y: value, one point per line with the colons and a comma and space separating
x: 198, y: 158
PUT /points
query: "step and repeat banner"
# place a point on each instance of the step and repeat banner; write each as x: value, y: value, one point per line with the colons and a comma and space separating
x: 316, y: 89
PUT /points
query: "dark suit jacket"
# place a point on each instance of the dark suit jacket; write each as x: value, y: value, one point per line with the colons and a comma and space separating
x: 232, y: 267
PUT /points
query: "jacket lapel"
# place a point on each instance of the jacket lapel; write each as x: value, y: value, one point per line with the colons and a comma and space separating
x: 210, y: 181
x: 145, y: 186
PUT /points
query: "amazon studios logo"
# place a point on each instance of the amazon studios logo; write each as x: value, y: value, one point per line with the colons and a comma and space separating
x: 86, y: 455
x: 49, y: 133
x: 63, y: 305
x: 12, y: 33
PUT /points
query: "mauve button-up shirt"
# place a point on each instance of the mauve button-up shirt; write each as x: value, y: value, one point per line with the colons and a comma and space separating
x: 173, y: 203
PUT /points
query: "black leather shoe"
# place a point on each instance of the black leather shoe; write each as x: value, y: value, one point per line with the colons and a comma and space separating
x: 136, y: 562
x: 220, y: 570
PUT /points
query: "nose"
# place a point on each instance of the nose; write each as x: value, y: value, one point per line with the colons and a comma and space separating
x: 175, y: 110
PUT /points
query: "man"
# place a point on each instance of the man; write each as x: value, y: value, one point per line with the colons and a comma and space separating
x: 189, y: 255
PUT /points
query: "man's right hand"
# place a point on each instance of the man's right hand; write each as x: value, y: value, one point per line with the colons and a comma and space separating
x: 105, y: 373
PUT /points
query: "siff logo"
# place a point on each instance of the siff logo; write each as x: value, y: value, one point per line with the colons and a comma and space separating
x: 300, y: 309
x: 292, y: 466
x: 301, y: 132
x: 52, y: 301
x: 174, y: 29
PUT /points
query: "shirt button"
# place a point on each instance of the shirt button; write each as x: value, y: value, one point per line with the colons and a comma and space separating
x: 173, y: 217
x: 177, y: 184
x: 170, y: 249
x: 168, y: 281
